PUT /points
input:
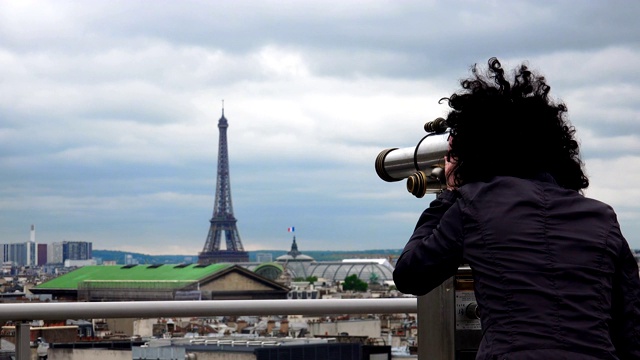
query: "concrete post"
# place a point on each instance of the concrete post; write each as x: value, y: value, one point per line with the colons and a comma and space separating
x: 23, y: 338
x: 436, y: 323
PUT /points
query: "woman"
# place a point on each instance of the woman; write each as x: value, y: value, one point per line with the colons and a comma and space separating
x: 554, y: 277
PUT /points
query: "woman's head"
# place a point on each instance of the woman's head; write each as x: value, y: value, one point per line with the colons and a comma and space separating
x: 510, y: 126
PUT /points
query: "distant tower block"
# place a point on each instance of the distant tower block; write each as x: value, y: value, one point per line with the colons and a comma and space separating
x: 223, y: 221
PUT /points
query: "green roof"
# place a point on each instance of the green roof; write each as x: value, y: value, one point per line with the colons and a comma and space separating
x: 165, y: 272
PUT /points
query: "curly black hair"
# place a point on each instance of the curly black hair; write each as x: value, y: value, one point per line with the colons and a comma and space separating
x: 511, y: 128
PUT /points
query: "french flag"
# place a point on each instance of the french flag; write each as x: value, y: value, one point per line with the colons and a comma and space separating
x: 291, y: 229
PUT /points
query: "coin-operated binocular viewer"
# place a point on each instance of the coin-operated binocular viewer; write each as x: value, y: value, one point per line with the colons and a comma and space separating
x: 448, y: 317
x: 449, y: 320
x: 422, y: 165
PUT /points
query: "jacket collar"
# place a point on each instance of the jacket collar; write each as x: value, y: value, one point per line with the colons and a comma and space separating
x: 545, y: 177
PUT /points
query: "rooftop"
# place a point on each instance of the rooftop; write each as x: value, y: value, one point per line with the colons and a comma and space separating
x: 165, y: 272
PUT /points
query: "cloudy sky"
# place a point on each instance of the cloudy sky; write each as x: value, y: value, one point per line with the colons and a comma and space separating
x: 109, y: 111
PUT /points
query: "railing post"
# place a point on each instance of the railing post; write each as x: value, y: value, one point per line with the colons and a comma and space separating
x: 436, y: 323
x: 23, y: 338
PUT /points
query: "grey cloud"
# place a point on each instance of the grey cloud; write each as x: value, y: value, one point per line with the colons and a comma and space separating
x: 108, y: 111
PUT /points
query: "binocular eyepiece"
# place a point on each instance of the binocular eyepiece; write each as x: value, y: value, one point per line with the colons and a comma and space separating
x: 422, y: 165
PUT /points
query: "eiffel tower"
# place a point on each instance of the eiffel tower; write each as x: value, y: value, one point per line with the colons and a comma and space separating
x: 223, y: 220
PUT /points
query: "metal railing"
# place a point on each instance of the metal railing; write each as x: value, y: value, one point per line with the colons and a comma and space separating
x: 23, y: 313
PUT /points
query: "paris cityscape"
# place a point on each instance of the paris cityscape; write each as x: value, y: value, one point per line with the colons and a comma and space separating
x: 68, y: 272
x: 222, y: 153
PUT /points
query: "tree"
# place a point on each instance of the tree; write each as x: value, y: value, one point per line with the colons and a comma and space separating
x: 352, y: 282
x: 309, y: 279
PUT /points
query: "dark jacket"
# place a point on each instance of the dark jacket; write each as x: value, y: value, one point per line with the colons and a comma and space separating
x: 554, y: 277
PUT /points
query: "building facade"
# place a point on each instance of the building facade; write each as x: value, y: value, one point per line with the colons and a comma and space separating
x: 59, y: 252
x: 76, y: 250
x: 21, y: 254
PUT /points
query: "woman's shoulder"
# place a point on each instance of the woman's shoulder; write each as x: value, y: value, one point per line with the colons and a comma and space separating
x: 514, y: 188
x: 495, y: 184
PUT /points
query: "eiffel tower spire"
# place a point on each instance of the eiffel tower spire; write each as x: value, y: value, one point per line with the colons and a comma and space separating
x: 223, y: 222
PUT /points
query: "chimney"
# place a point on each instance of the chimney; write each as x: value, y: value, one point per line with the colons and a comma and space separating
x: 284, y: 327
x: 241, y: 324
x: 270, y: 325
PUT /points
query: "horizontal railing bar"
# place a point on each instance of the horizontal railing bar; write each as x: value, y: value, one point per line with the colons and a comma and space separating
x: 151, y: 309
